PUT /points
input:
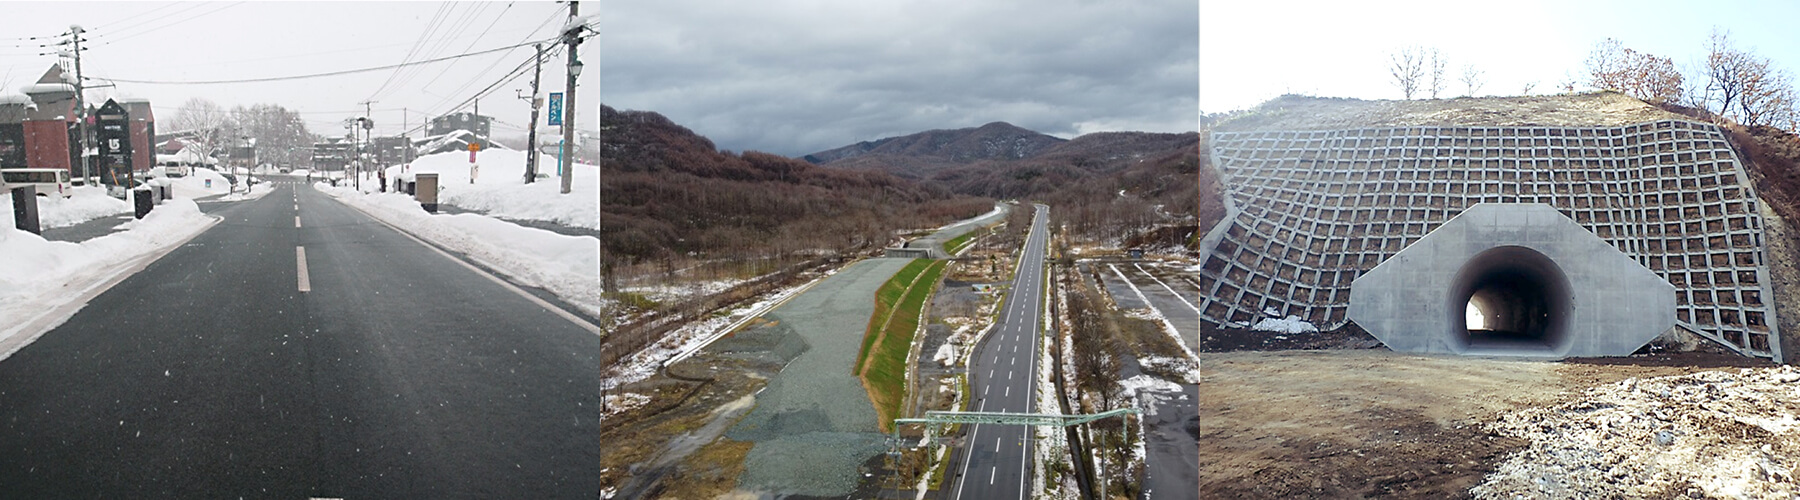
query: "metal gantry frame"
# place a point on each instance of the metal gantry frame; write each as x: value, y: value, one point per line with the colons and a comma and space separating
x: 934, y: 419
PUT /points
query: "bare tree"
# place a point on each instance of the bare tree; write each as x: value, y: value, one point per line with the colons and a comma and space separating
x: 1768, y: 96
x: 1528, y: 87
x: 1745, y: 86
x: 1472, y: 79
x: 1612, y: 66
x: 1408, y: 67
x: 1436, y: 65
x: 1724, y: 70
x: 203, y: 121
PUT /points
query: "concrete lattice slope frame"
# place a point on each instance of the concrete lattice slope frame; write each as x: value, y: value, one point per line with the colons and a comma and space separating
x: 1556, y: 288
x: 1308, y: 211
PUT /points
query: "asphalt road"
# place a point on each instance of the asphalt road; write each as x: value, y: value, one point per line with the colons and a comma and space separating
x: 400, y: 374
x: 997, y: 458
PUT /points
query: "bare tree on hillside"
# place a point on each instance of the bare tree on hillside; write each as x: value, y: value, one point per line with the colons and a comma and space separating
x: 1408, y: 67
x: 1472, y: 79
x: 205, y: 122
x: 1528, y: 87
x: 1612, y: 66
x: 1745, y: 86
x: 1436, y: 65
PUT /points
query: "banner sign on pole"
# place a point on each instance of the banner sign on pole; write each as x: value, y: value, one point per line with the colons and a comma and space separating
x: 556, y: 112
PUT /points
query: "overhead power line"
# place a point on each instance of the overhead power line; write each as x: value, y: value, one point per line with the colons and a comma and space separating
x: 316, y: 75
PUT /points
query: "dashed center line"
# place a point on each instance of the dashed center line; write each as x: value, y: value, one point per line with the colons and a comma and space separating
x: 300, y: 267
x: 296, y: 221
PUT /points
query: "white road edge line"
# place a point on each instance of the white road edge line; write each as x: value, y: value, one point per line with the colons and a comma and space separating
x: 300, y: 269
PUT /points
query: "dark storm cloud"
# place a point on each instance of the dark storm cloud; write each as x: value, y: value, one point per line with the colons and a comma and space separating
x: 797, y: 77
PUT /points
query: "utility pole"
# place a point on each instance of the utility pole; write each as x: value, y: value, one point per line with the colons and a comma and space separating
x: 531, y: 147
x: 572, y: 37
x: 87, y: 167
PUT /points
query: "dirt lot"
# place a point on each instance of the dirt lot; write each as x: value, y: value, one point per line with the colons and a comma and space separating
x: 1374, y: 423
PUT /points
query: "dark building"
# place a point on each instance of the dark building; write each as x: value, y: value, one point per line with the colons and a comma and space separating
x: 331, y: 155
x: 480, y: 125
x: 389, y: 151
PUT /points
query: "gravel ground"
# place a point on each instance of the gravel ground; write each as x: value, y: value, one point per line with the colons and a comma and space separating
x: 813, y: 424
x: 1718, y: 434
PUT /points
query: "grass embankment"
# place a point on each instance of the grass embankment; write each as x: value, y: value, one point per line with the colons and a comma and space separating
x: 888, y: 340
x: 956, y: 244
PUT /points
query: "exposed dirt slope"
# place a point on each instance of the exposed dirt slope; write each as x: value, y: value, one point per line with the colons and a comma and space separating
x: 1292, y: 112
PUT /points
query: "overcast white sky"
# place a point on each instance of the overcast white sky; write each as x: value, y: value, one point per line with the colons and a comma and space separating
x: 797, y: 76
x: 239, y: 40
x: 1252, y: 51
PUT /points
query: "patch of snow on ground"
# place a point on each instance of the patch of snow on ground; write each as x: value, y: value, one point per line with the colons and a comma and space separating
x: 690, y: 338
x: 623, y: 402
x: 1712, y: 434
x: 1290, y: 324
x: 85, y: 204
x: 194, y: 185
x: 946, y: 355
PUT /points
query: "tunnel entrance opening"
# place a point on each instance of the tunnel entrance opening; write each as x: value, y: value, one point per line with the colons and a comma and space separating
x: 1511, y: 300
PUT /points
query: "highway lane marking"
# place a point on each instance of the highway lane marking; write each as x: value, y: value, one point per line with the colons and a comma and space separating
x: 1007, y: 395
x: 1009, y: 374
x: 992, y: 473
x: 296, y: 221
x: 300, y: 264
x: 984, y: 389
x: 996, y: 444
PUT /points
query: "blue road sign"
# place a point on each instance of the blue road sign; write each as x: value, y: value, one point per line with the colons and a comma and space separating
x: 556, y: 108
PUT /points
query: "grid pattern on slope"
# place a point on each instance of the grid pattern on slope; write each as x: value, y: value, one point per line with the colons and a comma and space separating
x: 1312, y: 210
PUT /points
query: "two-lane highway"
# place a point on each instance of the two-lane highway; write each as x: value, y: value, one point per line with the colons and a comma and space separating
x: 997, y: 458
x: 300, y: 349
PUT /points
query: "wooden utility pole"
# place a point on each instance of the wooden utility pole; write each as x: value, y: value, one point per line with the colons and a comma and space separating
x: 81, y: 114
x: 572, y: 37
x: 531, y: 146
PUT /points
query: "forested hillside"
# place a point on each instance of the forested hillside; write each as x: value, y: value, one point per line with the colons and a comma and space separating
x: 1112, y: 186
x: 668, y: 196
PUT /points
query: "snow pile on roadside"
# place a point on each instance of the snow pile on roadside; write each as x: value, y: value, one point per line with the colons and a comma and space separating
x: 85, y: 204
x: 1716, y: 434
x: 500, y: 190
x: 1186, y: 369
x: 1290, y: 324
x: 260, y: 190
x: 40, y: 274
x: 194, y: 184
x: 567, y: 266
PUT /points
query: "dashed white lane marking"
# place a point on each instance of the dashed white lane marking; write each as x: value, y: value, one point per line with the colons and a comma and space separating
x: 1007, y: 395
x: 300, y: 265
x: 1009, y: 375
x: 996, y: 444
x: 296, y: 221
x: 992, y: 473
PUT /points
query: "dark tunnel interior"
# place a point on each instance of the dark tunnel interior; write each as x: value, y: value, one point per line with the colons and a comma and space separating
x: 1523, y: 299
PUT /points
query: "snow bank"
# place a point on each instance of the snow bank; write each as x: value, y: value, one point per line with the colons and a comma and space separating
x: 85, y: 204
x: 1290, y: 324
x: 40, y: 275
x: 194, y: 185
x: 500, y: 190
x: 567, y: 266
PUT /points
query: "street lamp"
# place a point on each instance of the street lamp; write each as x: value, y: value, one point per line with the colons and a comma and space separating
x: 575, y: 69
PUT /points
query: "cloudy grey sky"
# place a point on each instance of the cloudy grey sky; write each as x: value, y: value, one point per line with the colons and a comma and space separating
x: 796, y: 76
x: 242, y: 40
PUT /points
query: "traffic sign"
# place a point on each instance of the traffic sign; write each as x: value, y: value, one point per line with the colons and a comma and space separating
x: 556, y: 108
x: 474, y: 146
